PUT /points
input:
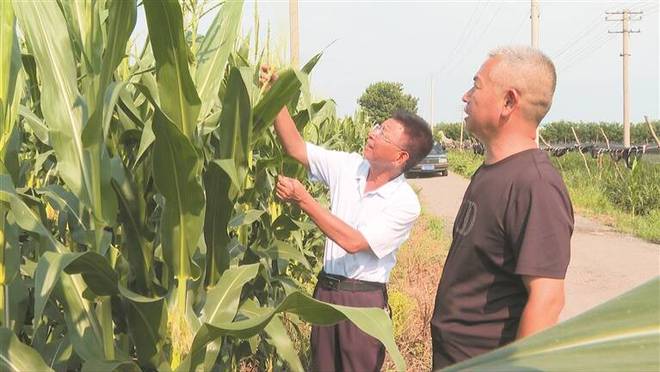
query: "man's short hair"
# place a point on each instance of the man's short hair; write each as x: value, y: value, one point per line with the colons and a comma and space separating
x: 419, y: 139
x: 531, y: 73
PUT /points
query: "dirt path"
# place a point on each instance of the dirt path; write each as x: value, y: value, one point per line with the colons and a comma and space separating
x: 604, y: 263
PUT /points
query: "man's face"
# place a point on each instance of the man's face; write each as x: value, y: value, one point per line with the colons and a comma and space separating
x: 385, y: 144
x: 483, y: 102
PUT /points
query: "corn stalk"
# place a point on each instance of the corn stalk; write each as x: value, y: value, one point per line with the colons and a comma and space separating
x: 144, y: 212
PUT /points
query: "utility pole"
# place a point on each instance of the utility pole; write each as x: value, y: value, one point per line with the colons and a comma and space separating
x: 535, y: 16
x: 294, y: 42
x: 625, y: 30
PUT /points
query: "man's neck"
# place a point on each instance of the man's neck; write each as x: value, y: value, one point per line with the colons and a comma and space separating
x: 377, y: 177
x: 505, y: 146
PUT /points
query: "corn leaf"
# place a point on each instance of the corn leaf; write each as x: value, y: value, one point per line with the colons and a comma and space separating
x: 372, y: 321
x: 176, y: 169
x: 225, y: 178
x: 283, y: 91
x: 10, y: 86
x: 64, y: 109
x: 621, y: 334
x: 147, y: 320
x: 178, y: 97
x: 16, y: 356
x: 213, y: 54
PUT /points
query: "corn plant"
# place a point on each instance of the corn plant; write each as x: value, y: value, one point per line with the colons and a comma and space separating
x: 139, y: 228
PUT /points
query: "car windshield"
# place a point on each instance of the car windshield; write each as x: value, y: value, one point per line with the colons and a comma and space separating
x: 437, y: 150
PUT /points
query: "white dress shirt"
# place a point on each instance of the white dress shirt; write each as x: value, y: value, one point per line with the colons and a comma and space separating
x: 383, y: 216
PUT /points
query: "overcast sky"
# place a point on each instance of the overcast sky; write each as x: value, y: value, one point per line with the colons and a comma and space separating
x: 414, y: 42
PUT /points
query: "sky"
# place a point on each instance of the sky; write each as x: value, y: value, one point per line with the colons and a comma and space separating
x: 417, y: 42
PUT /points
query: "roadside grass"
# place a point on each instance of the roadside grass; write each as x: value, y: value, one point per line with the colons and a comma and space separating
x: 412, y: 288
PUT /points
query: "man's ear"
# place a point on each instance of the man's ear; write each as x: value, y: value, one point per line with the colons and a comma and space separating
x: 403, y: 158
x: 511, y: 102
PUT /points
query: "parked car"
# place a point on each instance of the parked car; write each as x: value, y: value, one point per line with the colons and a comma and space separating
x: 434, y: 162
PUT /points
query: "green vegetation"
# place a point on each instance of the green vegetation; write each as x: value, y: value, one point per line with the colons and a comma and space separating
x: 627, y: 199
x: 380, y: 100
x: 139, y: 228
x: 559, y: 132
x: 621, y: 334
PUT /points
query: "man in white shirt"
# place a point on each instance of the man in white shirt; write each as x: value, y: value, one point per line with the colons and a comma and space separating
x: 372, y: 211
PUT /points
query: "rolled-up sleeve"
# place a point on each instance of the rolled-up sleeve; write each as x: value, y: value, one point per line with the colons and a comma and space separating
x: 325, y: 165
x: 386, y: 231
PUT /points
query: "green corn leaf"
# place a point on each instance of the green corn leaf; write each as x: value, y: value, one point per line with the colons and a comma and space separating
x: 35, y: 123
x: 25, y: 217
x: 213, y: 54
x: 245, y: 218
x: 147, y: 322
x: 224, y: 178
x: 95, y: 270
x: 10, y: 87
x: 283, y: 91
x: 622, y: 334
x: 63, y: 107
x: 236, y: 123
x: 372, y: 321
x: 219, y: 209
x: 222, y: 302
x: 132, y: 211
x: 82, y: 324
x: 110, y: 366
x: 276, y: 334
x: 178, y: 97
x: 176, y: 169
x: 18, y: 357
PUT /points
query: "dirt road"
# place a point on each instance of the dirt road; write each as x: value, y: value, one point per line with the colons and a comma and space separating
x: 604, y: 263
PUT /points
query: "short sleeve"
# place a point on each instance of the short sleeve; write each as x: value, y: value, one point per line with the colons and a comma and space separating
x: 326, y: 165
x: 389, y: 229
x: 539, y: 225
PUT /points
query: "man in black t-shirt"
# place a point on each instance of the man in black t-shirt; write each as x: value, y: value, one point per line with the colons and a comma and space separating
x: 504, y: 275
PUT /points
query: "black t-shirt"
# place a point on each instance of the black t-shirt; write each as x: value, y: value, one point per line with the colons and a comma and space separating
x: 516, y: 219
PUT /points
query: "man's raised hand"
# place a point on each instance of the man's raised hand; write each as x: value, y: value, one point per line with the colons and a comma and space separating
x: 267, y: 76
x: 290, y: 190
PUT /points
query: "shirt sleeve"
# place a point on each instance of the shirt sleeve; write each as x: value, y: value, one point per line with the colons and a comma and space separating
x: 539, y: 223
x: 389, y: 229
x: 326, y: 165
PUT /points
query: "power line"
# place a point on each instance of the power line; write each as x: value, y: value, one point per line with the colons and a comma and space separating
x: 471, y: 43
x: 468, y: 26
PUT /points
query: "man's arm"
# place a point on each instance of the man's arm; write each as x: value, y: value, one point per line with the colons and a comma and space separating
x: 285, y: 127
x: 350, y: 239
x: 545, y: 302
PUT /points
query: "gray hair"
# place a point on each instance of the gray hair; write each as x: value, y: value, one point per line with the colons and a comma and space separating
x: 531, y: 73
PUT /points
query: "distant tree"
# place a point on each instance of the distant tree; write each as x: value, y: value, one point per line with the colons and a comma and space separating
x: 380, y: 100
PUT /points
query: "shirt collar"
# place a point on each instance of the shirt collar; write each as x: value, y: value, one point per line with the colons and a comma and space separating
x: 385, y: 190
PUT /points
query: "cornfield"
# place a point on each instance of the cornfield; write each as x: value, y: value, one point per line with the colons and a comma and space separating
x: 139, y: 227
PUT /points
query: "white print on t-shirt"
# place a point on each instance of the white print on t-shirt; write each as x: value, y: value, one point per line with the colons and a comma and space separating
x: 466, y: 218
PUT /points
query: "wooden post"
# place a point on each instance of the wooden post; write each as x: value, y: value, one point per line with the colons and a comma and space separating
x: 607, y: 141
x: 461, y: 143
x: 584, y: 158
x: 652, y: 131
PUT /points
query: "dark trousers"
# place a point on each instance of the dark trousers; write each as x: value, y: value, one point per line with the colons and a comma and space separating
x: 343, y: 346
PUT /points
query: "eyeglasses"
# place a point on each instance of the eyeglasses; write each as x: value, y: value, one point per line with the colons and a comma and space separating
x: 377, y: 129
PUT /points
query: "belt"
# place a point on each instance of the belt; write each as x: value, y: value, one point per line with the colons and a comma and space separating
x: 342, y: 283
